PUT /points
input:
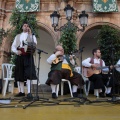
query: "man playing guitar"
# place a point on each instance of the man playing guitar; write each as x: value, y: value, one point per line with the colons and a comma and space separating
x: 118, y: 63
x: 99, y: 79
x: 62, y: 68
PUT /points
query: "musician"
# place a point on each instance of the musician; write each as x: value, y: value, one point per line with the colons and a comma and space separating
x: 62, y: 70
x: 118, y: 68
x: 101, y: 81
x: 24, y: 64
x: 118, y: 63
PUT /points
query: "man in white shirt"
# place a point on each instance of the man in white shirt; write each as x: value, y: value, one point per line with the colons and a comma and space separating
x: 98, y: 79
x: 24, y: 64
x: 63, y: 69
x: 118, y: 68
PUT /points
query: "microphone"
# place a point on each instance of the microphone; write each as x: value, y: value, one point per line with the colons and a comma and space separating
x: 75, y: 51
x: 82, y: 48
x: 41, y: 51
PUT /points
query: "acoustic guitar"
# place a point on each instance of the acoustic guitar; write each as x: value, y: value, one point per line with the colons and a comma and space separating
x: 59, y: 59
x: 89, y: 71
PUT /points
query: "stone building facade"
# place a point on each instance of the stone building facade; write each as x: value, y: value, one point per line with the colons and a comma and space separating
x: 43, y: 18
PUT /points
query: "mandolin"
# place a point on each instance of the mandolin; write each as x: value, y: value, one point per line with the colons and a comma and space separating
x: 57, y: 60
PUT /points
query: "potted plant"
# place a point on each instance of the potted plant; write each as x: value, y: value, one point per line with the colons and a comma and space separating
x: 68, y: 39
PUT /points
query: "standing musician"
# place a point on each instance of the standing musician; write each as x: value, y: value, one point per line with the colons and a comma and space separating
x: 24, y: 64
x: 63, y: 69
x: 100, y: 80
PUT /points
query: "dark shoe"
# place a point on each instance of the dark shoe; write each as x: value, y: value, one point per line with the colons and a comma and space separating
x: 75, y: 94
x: 29, y: 96
x: 20, y: 94
x: 101, y: 95
x: 54, y: 95
x: 109, y: 95
x: 96, y: 96
x: 80, y: 91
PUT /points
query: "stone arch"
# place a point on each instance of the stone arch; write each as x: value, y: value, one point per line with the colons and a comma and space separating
x: 49, y: 30
x: 93, y: 25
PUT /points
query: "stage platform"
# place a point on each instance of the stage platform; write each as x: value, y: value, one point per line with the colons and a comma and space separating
x: 64, y: 110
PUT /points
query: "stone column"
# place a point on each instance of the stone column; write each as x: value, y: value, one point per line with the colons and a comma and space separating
x: 3, y: 52
x: 2, y: 12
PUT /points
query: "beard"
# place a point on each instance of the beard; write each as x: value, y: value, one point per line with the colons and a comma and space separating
x: 99, y: 56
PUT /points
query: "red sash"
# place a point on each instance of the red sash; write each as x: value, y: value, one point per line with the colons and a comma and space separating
x: 23, y: 51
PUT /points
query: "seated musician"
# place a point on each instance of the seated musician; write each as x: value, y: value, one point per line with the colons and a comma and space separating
x: 62, y: 70
x: 118, y: 64
x: 24, y: 64
x: 101, y: 81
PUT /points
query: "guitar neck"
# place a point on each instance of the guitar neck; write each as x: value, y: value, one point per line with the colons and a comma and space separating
x: 115, y: 66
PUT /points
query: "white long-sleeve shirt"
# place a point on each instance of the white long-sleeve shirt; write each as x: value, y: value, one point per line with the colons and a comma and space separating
x: 53, y: 57
x: 23, y: 37
x: 118, y: 63
x: 87, y: 63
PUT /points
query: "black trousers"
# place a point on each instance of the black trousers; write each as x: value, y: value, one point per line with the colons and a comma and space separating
x: 55, y: 76
x: 108, y: 80
x: 101, y: 80
x: 97, y: 81
x: 24, y: 68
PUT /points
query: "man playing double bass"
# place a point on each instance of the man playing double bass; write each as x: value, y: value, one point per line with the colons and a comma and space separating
x: 63, y: 69
x: 101, y: 81
x: 24, y: 63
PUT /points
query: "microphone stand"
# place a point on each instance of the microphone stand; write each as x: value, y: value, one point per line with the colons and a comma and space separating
x: 36, y: 98
x: 114, y: 99
x: 80, y: 58
x: 81, y: 99
x: 113, y: 73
